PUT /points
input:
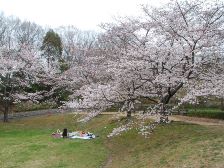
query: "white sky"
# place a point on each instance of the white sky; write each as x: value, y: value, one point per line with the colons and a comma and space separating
x: 83, y: 14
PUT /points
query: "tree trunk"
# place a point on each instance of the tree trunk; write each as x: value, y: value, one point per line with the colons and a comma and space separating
x: 6, y: 101
x: 163, y: 114
x: 6, y: 97
x: 6, y: 111
x: 130, y: 109
x: 128, y: 114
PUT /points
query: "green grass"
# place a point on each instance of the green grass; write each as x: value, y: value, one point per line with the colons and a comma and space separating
x: 27, y: 143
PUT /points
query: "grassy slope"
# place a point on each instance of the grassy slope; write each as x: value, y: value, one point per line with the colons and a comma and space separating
x: 27, y: 143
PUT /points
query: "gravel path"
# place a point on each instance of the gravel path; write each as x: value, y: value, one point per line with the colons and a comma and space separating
x: 35, y: 113
x: 193, y: 120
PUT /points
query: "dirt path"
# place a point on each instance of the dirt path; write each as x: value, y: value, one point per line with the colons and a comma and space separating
x: 197, y: 120
x: 193, y: 120
x: 108, y: 162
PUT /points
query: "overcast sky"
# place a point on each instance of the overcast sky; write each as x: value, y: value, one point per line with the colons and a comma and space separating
x: 83, y: 14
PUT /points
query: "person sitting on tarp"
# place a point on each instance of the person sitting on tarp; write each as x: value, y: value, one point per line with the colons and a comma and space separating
x: 65, y: 133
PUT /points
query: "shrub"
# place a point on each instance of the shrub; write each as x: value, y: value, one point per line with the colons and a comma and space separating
x: 206, y: 113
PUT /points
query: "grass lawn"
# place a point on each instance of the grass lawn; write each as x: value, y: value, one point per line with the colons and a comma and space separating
x: 27, y: 143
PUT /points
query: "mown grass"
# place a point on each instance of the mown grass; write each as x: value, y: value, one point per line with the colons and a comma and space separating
x: 174, y: 145
x: 27, y: 143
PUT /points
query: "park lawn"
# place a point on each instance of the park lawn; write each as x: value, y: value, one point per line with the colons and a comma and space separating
x: 27, y: 143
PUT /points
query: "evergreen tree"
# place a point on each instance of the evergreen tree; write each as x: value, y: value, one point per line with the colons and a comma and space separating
x: 52, y: 47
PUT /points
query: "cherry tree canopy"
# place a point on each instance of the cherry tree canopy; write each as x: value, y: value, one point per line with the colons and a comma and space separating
x: 20, y: 71
x: 178, y: 46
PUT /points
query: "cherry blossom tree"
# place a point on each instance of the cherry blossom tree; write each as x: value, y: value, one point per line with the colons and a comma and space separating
x: 18, y: 70
x: 178, y: 46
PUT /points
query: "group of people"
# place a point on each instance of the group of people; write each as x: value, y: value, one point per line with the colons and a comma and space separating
x: 73, y: 135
